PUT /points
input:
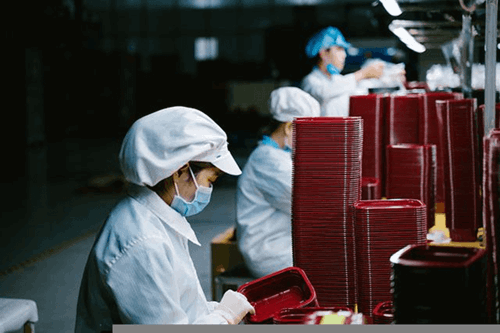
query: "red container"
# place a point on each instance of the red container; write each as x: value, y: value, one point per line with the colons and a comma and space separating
x: 491, y: 214
x: 288, y: 288
x: 299, y: 316
x: 383, y: 313
x: 411, y: 174
x: 429, y: 132
x: 402, y: 118
x: 371, y: 108
x: 461, y: 132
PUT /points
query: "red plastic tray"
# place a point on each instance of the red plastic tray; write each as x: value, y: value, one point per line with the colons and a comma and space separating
x: 461, y: 132
x: 429, y: 131
x: 287, y: 288
x: 371, y: 108
x: 437, y: 256
x: 383, y: 313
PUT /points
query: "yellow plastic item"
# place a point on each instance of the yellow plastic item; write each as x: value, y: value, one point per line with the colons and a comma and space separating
x: 332, y: 319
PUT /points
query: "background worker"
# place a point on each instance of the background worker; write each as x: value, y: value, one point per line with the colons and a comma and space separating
x: 264, y: 188
x: 325, y: 83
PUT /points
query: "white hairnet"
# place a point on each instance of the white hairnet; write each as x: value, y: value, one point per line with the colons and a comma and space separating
x: 160, y: 143
x: 287, y: 103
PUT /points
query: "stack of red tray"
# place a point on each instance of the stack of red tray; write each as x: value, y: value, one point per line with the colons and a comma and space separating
x: 370, y: 188
x: 491, y: 214
x: 326, y: 182
x: 288, y: 288
x: 383, y: 227
x: 411, y: 174
x: 460, y: 131
x: 371, y: 109
x: 429, y: 133
x: 401, y: 120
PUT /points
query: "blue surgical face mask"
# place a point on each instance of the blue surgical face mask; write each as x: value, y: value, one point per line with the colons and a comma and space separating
x: 332, y: 69
x: 200, y: 201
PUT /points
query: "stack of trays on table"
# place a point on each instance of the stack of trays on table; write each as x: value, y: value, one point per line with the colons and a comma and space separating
x: 383, y: 227
x: 461, y: 131
x: 439, y: 285
x: 401, y: 119
x: 326, y: 182
x: 491, y: 215
x: 429, y: 133
x: 371, y: 109
x: 301, y: 316
x: 383, y: 313
x: 288, y: 288
x: 370, y: 188
x: 411, y: 174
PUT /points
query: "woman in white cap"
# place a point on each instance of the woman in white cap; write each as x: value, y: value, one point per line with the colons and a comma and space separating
x: 264, y: 189
x: 325, y: 83
x: 139, y: 270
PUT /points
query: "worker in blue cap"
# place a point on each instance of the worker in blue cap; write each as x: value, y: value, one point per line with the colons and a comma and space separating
x: 325, y: 83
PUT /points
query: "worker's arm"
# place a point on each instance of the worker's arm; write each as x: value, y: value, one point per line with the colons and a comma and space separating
x: 142, y: 283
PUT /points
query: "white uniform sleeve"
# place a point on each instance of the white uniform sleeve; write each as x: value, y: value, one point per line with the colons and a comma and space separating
x: 143, y: 286
x: 324, y: 89
x: 274, y: 180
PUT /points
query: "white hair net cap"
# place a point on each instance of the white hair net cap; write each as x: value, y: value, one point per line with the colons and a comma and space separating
x: 162, y: 142
x: 287, y: 103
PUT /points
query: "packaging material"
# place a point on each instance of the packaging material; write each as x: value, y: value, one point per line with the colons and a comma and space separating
x: 440, y: 77
x: 393, y: 76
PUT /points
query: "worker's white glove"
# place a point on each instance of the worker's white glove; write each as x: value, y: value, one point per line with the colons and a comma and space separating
x: 233, y: 307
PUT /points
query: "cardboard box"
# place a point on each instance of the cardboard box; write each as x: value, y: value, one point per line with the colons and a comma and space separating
x: 225, y: 255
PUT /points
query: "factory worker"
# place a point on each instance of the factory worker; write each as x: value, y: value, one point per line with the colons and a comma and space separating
x: 325, y: 82
x: 139, y: 270
x: 263, y: 196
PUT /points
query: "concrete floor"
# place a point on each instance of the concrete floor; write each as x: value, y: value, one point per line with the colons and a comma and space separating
x: 49, y: 222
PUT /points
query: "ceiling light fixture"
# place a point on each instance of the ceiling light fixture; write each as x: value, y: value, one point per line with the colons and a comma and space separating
x: 392, y: 7
x: 407, y: 38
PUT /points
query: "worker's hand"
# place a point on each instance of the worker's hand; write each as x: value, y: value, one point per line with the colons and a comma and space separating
x: 234, y: 307
x: 373, y: 71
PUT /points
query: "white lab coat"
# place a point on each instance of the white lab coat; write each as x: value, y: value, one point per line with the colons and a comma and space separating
x: 264, y: 210
x: 332, y: 92
x: 139, y: 270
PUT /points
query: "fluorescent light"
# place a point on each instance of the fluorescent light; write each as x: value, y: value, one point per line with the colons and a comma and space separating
x: 392, y: 7
x: 498, y: 46
x: 407, y: 38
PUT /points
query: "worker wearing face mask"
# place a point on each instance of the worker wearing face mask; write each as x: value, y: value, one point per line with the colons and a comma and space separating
x: 264, y: 189
x: 325, y: 82
x: 139, y: 270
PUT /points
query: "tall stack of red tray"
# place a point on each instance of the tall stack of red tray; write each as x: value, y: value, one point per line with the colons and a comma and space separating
x: 411, y: 174
x: 383, y: 227
x: 429, y: 132
x: 459, y: 132
x: 371, y: 109
x: 326, y: 182
x: 491, y: 215
x: 402, y: 118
